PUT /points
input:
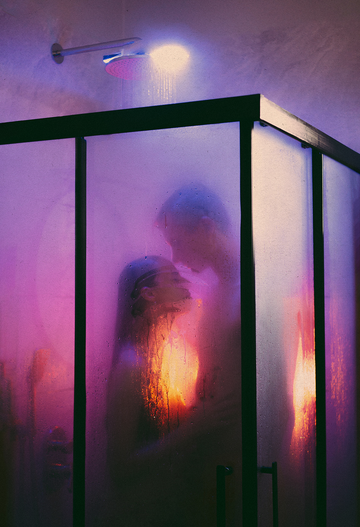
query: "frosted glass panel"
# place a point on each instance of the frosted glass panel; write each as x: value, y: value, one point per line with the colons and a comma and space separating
x: 341, y: 232
x: 37, y: 333
x: 285, y: 326
x: 163, y: 348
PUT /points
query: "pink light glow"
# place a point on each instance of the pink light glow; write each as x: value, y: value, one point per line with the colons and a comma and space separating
x: 130, y: 67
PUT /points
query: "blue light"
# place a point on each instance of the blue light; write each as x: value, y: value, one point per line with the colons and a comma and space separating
x: 109, y: 58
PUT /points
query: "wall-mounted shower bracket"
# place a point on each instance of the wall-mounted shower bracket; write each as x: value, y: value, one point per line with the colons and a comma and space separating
x: 58, y: 53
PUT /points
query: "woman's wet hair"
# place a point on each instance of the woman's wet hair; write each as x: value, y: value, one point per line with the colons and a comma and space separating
x: 136, y: 275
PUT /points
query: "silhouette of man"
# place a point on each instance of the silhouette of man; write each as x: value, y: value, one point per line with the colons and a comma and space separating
x: 196, y: 225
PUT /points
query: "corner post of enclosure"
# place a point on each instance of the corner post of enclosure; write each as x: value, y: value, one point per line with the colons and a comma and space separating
x: 80, y: 336
x: 248, y: 332
x: 319, y: 315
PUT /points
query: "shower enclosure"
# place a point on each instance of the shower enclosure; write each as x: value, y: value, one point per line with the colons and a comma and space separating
x: 79, y: 200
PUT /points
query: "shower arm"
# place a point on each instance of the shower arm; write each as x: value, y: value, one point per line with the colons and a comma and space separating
x: 58, y: 53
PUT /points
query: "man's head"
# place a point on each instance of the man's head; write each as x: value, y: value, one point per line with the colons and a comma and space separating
x: 191, y: 220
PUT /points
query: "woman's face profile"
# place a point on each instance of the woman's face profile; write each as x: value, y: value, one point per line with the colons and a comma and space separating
x: 170, y: 290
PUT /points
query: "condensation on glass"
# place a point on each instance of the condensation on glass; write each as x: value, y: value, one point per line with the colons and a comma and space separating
x: 282, y: 212
x: 37, y: 332
x: 163, y: 320
x: 342, y: 250
x: 183, y: 375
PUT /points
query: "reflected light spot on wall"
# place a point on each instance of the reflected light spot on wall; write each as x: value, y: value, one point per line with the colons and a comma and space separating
x: 170, y: 58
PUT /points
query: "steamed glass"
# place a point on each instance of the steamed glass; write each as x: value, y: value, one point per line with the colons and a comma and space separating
x: 37, y: 332
x: 341, y: 236
x: 130, y: 176
x: 284, y: 326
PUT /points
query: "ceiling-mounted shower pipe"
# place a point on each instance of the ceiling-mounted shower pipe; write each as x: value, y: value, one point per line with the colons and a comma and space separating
x: 58, y: 53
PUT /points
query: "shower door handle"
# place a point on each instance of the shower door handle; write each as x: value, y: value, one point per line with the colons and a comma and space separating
x: 273, y: 471
x: 221, y: 473
x: 58, y: 468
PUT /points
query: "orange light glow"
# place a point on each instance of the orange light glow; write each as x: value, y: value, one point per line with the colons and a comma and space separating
x: 304, y: 391
x: 304, y: 385
x: 178, y: 371
x: 168, y: 385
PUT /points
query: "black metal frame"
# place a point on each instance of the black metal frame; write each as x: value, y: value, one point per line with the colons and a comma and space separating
x: 79, y: 430
x: 246, y: 110
x: 248, y: 332
x: 319, y: 316
x: 231, y: 109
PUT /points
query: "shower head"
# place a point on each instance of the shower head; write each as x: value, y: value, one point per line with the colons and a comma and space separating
x: 58, y: 53
x: 128, y: 67
x: 169, y: 59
